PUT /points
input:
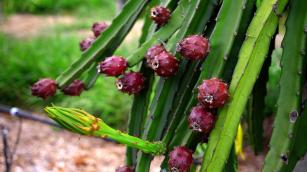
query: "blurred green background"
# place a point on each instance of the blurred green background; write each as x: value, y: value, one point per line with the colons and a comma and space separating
x: 29, y: 53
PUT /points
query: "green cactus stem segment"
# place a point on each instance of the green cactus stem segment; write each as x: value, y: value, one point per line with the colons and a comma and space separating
x: 220, y: 49
x: 251, y: 57
x: 81, y: 122
x: 110, y: 39
x: 290, y: 94
x: 175, y: 22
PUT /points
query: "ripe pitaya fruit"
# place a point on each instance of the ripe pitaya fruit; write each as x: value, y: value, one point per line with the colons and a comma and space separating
x: 98, y: 28
x: 131, y: 83
x: 124, y: 169
x: 86, y: 43
x: 113, y: 66
x: 161, y: 61
x: 201, y: 120
x: 74, y: 89
x: 160, y: 15
x: 154, y: 51
x: 44, y: 88
x: 180, y: 159
x: 213, y: 93
x: 194, y: 47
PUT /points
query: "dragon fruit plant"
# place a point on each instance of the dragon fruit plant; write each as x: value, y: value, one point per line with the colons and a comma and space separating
x: 200, y: 65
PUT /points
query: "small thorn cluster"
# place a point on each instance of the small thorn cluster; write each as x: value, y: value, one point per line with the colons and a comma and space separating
x: 180, y: 159
x: 194, y: 47
x: 124, y: 169
x: 162, y: 62
x: 160, y: 15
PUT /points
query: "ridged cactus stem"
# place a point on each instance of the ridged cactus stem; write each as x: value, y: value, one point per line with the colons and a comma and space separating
x: 110, y: 39
x: 220, y: 48
x: 163, y: 34
x: 81, y: 122
x: 141, y: 101
x: 251, y: 57
x: 290, y: 95
x: 203, y: 15
x: 165, y: 93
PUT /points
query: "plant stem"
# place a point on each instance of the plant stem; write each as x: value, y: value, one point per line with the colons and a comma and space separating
x: 81, y: 122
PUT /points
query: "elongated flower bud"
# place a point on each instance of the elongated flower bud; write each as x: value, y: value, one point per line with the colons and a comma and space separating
x: 81, y: 122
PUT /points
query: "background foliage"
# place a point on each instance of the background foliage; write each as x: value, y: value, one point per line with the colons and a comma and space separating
x: 25, y: 60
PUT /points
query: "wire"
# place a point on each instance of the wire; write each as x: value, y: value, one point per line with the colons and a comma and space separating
x: 6, y: 149
x: 14, y: 149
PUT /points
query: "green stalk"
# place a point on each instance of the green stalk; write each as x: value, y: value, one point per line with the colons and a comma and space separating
x: 247, y: 15
x: 92, y: 73
x: 221, y: 41
x: 202, y: 16
x: 272, y: 85
x: 138, y: 112
x: 164, y: 33
x: 141, y: 101
x: 251, y: 58
x: 165, y: 92
x: 299, y: 142
x: 81, y: 122
x: 290, y: 95
x: 255, y: 108
x: 232, y: 163
x: 103, y: 42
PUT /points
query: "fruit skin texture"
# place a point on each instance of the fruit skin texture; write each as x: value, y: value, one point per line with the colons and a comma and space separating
x: 86, y: 43
x: 124, y: 169
x: 74, y: 89
x: 201, y: 120
x: 131, y: 83
x: 180, y: 159
x: 161, y: 61
x: 153, y: 52
x: 160, y: 15
x: 113, y: 66
x: 213, y: 93
x: 44, y: 88
x: 194, y: 47
x: 98, y: 28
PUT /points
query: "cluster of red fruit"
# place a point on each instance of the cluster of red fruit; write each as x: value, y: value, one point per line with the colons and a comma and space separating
x: 212, y: 93
x: 46, y: 87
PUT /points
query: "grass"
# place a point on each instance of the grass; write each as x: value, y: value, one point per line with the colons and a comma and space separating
x: 24, y: 61
x: 103, y: 9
